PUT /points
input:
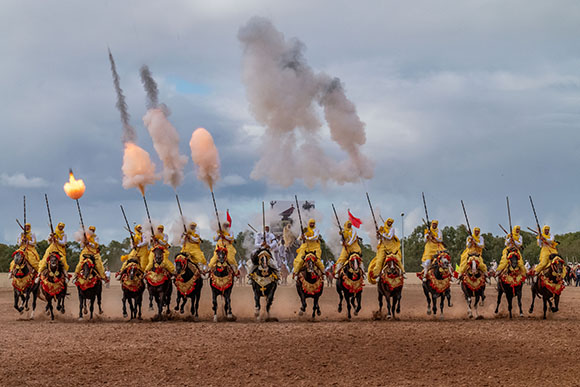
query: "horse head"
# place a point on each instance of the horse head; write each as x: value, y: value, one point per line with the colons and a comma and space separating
x: 88, y: 265
x: 513, y: 257
x: 181, y: 263
x: 309, y: 260
x: 391, y: 267
x: 263, y: 257
x: 158, y: 254
x: 557, y: 265
x: 18, y: 256
x: 443, y: 260
x: 53, y: 262
x: 472, y: 262
x: 222, y: 254
x: 354, y: 261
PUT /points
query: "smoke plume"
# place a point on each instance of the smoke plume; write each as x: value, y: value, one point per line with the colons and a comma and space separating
x: 285, y: 95
x: 163, y: 133
x: 138, y: 169
x: 129, y: 134
x: 205, y: 156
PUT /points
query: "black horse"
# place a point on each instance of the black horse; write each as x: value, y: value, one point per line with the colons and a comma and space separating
x: 264, y: 280
x: 473, y: 284
x: 390, y: 286
x: 350, y: 283
x: 133, y: 287
x: 222, y: 283
x: 188, y: 282
x: 24, y: 283
x: 89, y: 286
x: 53, y: 284
x: 159, y: 284
x: 549, y: 284
x: 510, y: 282
x: 310, y: 283
x: 438, y: 282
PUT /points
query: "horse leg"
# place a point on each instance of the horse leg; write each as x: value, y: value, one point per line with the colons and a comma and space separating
x: 50, y: 307
x: 545, y: 305
x: 340, y: 296
x: 302, y: 300
x: 124, y: 300
x: 388, y: 299
x: 380, y: 296
x: 34, y: 297
x: 256, y: 302
x: 499, y: 294
x: 177, y: 301
x: 17, y: 301
x: 428, y: 297
x: 138, y: 304
x: 314, y: 303
x: 92, y: 306
x: 196, y: 298
x: 468, y: 301
x: 214, y: 304
x: 270, y: 300
x: 26, y: 299
x: 477, y: 298
x: 99, y: 296
x: 358, y: 302
x: 150, y: 300
x: 519, y: 295
x: 448, y: 296
x: 397, y: 301
x: 442, y: 305
x: 556, y: 303
x: 81, y: 304
x: 534, y: 292
x: 510, y: 297
x: 60, y: 300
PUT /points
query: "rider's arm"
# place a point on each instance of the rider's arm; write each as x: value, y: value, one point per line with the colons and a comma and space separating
x: 315, y: 235
x: 62, y: 241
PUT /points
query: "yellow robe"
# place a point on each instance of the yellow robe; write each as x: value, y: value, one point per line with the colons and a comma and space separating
x: 351, y: 240
x: 92, y: 247
x: 227, y: 241
x: 161, y: 240
x: 55, y: 247
x: 475, y: 247
x: 547, y: 248
x: 139, y: 253
x: 389, y: 245
x: 29, y: 249
x: 312, y: 243
x: 432, y: 245
x: 516, y: 243
x: 191, y: 246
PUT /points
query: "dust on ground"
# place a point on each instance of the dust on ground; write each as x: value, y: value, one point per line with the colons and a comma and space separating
x: 415, y: 350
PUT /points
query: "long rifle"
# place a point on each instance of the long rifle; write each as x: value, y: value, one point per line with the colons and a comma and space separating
x: 299, y: 216
x: 263, y: 225
x: 49, y: 217
x: 181, y: 213
x: 466, y: 219
x: 372, y: 213
x: 535, y: 216
x: 252, y: 227
x: 216, y: 213
x: 128, y: 227
x: 149, y: 217
x: 25, y: 231
x: 426, y: 213
x: 503, y: 229
x: 339, y: 227
x: 509, y: 212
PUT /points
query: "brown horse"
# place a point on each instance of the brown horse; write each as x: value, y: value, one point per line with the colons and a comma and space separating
x: 473, y: 284
x: 310, y: 283
x: 390, y: 286
x: 24, y: 283
x: 89, y: 286
x: 222, y: 279
x: 133, y: 287
x: 438, y: 282
x: 53, y: 284
x: 549, y: 284
x: 510, y: 282
x: 159, y: 284
x: 188, y: 282
x: 350, y: 283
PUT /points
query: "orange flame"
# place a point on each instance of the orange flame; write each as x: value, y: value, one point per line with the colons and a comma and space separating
x: 74, y: 189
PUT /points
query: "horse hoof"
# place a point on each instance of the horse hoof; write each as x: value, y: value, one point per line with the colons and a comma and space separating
x: 150, y: 307
x: 318, y: 313
x: 496, y: 311
x: 125, y: 315
x: 356, y: 313
x: 479, y: 318
x: 428, y: 312
x: 450, y: 304
x: 61, y: 310
x: 32, y: 315
x: 300, y: 312
x: 20, y: 311
x: 26, y: 309
x: 100, y: 311
x: 469, y: 315
x: 339, y: 309
x: 80, y: 319
x: 441, y: 317
x: 389, y: 317
x: 176, y: 308
x: 481, y: 304
x: 530, y: 311
x: 257, y: 313
x: 215, y: 318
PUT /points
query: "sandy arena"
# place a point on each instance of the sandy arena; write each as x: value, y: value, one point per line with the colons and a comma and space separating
x: 415, y: 350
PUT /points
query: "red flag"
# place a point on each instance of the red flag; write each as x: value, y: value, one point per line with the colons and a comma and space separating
x: 228, y: 217
x: 356, y: 222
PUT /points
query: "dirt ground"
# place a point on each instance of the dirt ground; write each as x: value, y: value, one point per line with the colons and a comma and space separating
x: 415, y: 350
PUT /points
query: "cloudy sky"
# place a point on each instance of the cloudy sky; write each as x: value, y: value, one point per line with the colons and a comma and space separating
x: 471, y: 100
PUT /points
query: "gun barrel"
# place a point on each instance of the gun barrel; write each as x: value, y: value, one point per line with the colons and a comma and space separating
x: 148, y: 217
x: 372, y: 212
x: 216, y: 212
x: 299, y: 215
x: 49, y: 216
x: 466, y: 219
x: 181, y: 213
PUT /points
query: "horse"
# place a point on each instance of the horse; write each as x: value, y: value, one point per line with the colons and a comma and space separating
x: 329, y: 275
x: 264, y: 281
x: 473, y: 284
x: 350, y: 283
x: 53, y: 284
x: 222, y: 283
x: 284, y: 273
x: 510, y: 282
x: 310, y: 283
x: 188, y: 282
x: 438, y: 282
x: 549, y: 284
x: 390, y: 286
x: 243, y: 274
x: 89, y: 287
x: 133, y: 287
x: 159, y: 284
x: 24, y: 283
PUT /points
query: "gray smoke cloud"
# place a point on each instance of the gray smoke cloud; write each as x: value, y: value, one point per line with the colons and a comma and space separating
x: 285, y: 95
x: 129, y: 133
x: 164, y: 135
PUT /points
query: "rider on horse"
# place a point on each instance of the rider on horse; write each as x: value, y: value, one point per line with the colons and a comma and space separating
x: 160, y: 241
x: 548, y: 246
x: 389, y: 244
x: 433, y: 244
x: 271, y: 244
x: 57, y: 244
x: 139, y: 253
x: 91, y: 249
x: 27, y: 244
x: 311, y: 243
x: 473, y: 246
x: 513, y: 241
x: 350, y: 245
x: 225, y: 241
x: 190, y: 243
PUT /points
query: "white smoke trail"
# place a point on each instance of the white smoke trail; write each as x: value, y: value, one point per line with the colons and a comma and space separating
x: 164, y: 135
x: 205, y: 156
x: 129, y: 134
x: 284, y: 93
